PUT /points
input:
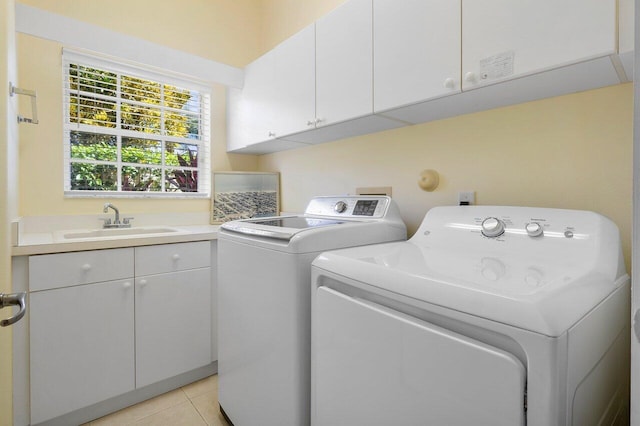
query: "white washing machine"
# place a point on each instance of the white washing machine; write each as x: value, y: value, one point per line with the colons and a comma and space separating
x: 264, y: 301
x: 486, y: 316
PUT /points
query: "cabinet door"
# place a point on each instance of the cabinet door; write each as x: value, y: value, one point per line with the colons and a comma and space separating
x: 237, y: 133
x: 48, y: 271
x: 81, y: 346
x: 163, y: 258
x: 504, y: 39
x: 257, y: 112
x: 173, y: 324
x: 295, y: 97
x: 344, y: 63
x: 416, y: 54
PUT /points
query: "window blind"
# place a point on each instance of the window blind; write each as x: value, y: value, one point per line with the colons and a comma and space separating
x: 131, y: 130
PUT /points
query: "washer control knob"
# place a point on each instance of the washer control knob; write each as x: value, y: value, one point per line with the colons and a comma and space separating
x: 534, y: 229
x: 340, y: 207
x: 492, y: 227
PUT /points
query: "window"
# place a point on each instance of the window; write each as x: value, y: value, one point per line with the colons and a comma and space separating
x: 133, y: 131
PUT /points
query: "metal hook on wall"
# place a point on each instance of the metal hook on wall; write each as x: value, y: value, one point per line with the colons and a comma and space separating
x: 13, y: 90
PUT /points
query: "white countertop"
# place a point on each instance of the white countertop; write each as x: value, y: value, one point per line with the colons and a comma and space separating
x: 45, y: 235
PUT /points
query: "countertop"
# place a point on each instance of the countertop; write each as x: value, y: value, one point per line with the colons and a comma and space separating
x: 33, y: 243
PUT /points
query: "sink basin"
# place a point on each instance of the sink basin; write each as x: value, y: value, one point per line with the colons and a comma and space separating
x: 116, y: 232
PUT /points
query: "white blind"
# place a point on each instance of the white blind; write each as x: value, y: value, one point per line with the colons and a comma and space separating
x: 133, y: 130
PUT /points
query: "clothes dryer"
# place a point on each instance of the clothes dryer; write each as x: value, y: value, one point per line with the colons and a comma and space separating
x: 486, y: 316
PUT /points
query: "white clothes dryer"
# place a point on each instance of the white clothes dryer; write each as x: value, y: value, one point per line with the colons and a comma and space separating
x: 264, y: 302
x: 486, y: 316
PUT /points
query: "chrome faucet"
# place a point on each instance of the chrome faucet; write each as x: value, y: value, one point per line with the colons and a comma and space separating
x: 106, y: 208
x: 116, y: 223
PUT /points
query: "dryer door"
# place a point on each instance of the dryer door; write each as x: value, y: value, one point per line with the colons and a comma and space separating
x: 375, y: 366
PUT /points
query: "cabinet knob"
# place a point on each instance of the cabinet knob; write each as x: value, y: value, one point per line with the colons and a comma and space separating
x: 471, y: 77
x: 126, y: 284
x: 176, y: 256
x: 272, y: 135
x: 143, y: 283
x: 86, y: 267
x: 311, y: 122
x: 450, y: 83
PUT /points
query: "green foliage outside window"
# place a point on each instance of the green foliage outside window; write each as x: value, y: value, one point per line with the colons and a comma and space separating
x: 103, y: 99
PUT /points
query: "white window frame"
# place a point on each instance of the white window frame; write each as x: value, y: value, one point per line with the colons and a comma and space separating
x: 89, y: 59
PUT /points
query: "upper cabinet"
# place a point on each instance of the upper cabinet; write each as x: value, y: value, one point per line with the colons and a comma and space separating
x: 295, y: 74
x: 372, y: 65
x: 416, y: 51
x: 505, y: 39
x: 344, y: 54
x: 278, y: 97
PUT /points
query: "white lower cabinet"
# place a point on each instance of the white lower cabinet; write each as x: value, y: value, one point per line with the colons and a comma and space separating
x: 171, y: 335
x: 98, y: 337
x: 82, y: 346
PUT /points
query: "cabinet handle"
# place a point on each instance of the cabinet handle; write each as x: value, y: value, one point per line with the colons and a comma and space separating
x: 450, y: 83
x: 471, y: 77
x: 15, y: 299
x: 86, y: 267
x: 175, y: 257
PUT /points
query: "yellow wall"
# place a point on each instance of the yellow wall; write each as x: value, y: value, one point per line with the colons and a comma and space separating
x: 283, y: 18
x: 219, y: 30
x: 573, y: 151
x: 226, y: 31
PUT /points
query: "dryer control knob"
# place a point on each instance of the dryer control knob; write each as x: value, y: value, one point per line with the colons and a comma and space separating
x: 534, y: 229
x: 340, y: 207
x: 492, y: 227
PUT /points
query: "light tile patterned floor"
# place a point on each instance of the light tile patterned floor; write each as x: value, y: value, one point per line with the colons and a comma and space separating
x: 195, y: 404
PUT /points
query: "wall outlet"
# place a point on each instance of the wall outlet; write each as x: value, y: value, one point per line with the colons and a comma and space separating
x: 466, y: 198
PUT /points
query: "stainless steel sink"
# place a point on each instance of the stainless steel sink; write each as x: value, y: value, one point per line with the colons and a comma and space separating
x: 116, y: 232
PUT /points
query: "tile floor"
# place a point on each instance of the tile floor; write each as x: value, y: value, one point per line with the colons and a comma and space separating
x: 195, y: 404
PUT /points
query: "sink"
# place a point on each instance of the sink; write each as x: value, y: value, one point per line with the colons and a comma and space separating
x: 116, y: 232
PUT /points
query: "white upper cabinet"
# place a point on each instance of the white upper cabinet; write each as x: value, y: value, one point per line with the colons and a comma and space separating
x: 372, y: 65
x: 416, y: 51
x: 504, y: 39
x: 258, y: 94
x: 344, y: 56
x: 278, y: 97
x: 295, y: 71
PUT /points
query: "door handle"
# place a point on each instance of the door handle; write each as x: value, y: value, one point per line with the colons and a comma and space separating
x: 15, y: 299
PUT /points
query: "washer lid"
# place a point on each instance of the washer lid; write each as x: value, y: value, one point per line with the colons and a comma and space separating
x: 544, y: 284
x: 546, y: 299
x: 279, y: 227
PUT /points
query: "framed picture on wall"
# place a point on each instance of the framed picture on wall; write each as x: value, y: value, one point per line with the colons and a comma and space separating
x: 243, y: 195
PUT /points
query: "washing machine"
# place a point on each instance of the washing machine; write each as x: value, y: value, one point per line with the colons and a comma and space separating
x: 486, y: 316
x: 264, y: 301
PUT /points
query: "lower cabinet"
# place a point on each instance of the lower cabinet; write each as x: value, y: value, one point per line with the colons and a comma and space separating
x: 82, y: 346
x: 171, y: 335
x: 96, y: 338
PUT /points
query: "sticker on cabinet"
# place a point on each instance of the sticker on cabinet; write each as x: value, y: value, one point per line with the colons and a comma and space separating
x: 497, y: 66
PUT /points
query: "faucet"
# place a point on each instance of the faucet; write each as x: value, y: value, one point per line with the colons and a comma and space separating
x: 116, y: 223
x: 108, y: 206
